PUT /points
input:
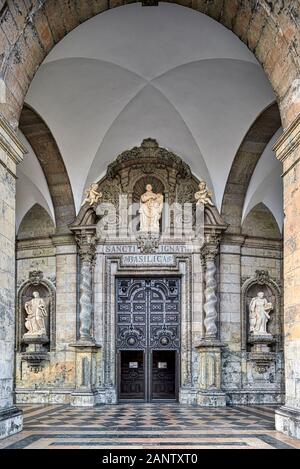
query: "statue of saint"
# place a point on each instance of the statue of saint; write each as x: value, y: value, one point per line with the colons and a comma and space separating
x: 150, y: 210
x: 36, y: 313
x: 259, y: 314
x: 203, y: 196
x: 92, y: 195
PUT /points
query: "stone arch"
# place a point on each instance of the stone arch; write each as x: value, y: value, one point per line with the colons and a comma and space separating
x: 45, y: 147
x: 248, y: 154
x: 269, y: 29
x: 36, y: 223
x: 261, y: 223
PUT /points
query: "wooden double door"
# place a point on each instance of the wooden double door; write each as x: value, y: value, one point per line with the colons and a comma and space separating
x: 148, y: 338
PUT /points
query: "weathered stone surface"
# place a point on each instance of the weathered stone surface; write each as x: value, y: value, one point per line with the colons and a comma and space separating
x: 244, y: 164
x: 10, y: 152
x: 46, y: 149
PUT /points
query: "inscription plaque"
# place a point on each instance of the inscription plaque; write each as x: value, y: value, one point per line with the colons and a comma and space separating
x: 148, y: 259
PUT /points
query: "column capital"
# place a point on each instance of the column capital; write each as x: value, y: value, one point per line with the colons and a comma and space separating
x: 12, y: 149
x: 86, y: 241
x: 288, y: 141
x: 210, y: 248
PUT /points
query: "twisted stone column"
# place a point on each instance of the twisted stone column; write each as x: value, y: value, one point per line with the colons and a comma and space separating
x: 87, y: 246
x: 209, y: 255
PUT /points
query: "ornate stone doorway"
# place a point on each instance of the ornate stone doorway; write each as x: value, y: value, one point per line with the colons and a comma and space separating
x: 148, y: 338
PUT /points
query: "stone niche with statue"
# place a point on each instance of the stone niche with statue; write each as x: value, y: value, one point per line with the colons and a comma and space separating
x: 262, y: 322
x: 36, y: 319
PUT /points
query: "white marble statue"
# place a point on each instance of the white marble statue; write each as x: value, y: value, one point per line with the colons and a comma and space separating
x: 36, y: 314
x: 203, y: 196
x: 259, y: 314
x: 92, y: 195
x: 151, y: 206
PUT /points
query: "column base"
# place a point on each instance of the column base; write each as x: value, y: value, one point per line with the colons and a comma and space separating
x: 188, y: 396
x: 211, y: 398
x: 107, y: 396
x: 11, y: 421
x: 287, y: 420
x: 83, y: 399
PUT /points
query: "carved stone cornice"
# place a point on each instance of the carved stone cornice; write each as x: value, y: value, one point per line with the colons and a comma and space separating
x: 288, y: 141
x: 10, y: 142
x: 147, y: 242
x: 149, y: 153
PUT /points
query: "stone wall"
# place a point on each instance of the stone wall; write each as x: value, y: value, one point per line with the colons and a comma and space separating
x: 11, y: 152
x: 56, y: 258
x: 240, y: 259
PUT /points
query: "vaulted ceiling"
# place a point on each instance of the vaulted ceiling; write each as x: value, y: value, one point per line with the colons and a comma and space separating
x: 165, y: 72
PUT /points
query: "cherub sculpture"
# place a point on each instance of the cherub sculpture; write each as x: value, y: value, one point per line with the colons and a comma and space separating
x: 92, y: 195
x: 203, y: 196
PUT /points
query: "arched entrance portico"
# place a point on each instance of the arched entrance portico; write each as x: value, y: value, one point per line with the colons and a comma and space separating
x: 269, y: 32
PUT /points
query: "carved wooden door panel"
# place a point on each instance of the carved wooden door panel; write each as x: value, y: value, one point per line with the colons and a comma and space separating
x: 132, y: 374
x: 148, y: 320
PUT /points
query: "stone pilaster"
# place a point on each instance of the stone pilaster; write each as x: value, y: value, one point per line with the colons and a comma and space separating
x: 288, y: 152
x: 11, y: 153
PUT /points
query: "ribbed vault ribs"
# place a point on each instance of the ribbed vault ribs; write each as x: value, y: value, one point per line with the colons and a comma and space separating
x: 251, y: 149
x: 41, y: 139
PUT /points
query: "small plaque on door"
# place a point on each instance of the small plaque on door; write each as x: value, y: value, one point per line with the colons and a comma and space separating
x: 162, y: 365
x: 133, y: 365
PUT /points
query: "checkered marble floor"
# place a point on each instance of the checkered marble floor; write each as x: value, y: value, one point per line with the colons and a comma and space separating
x: 148, y: 426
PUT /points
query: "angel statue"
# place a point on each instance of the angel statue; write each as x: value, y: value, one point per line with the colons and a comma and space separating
x: 92, y: 195
x: 259, y: 314
x: 203, y: 196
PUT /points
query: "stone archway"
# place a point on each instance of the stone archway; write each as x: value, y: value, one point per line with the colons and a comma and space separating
x: 269, y: 29
x: 42, y: 141
x: 271, y: 32
x: 251, y: 149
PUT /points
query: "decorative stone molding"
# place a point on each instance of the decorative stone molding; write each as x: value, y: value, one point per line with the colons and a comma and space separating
x: 288, y: 141
x: 147, y: 242
x: 10, y: 143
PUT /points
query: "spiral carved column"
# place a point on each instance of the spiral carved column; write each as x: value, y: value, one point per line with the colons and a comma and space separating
x: 210, y: 306
x: 210, y: 348
x: 87, y: 245
x: 87, y: 351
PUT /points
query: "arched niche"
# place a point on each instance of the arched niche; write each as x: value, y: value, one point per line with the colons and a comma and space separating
x: 262, y: 282
x: 37, y: 223
x: 47, y: 291
x: 261, y: 223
